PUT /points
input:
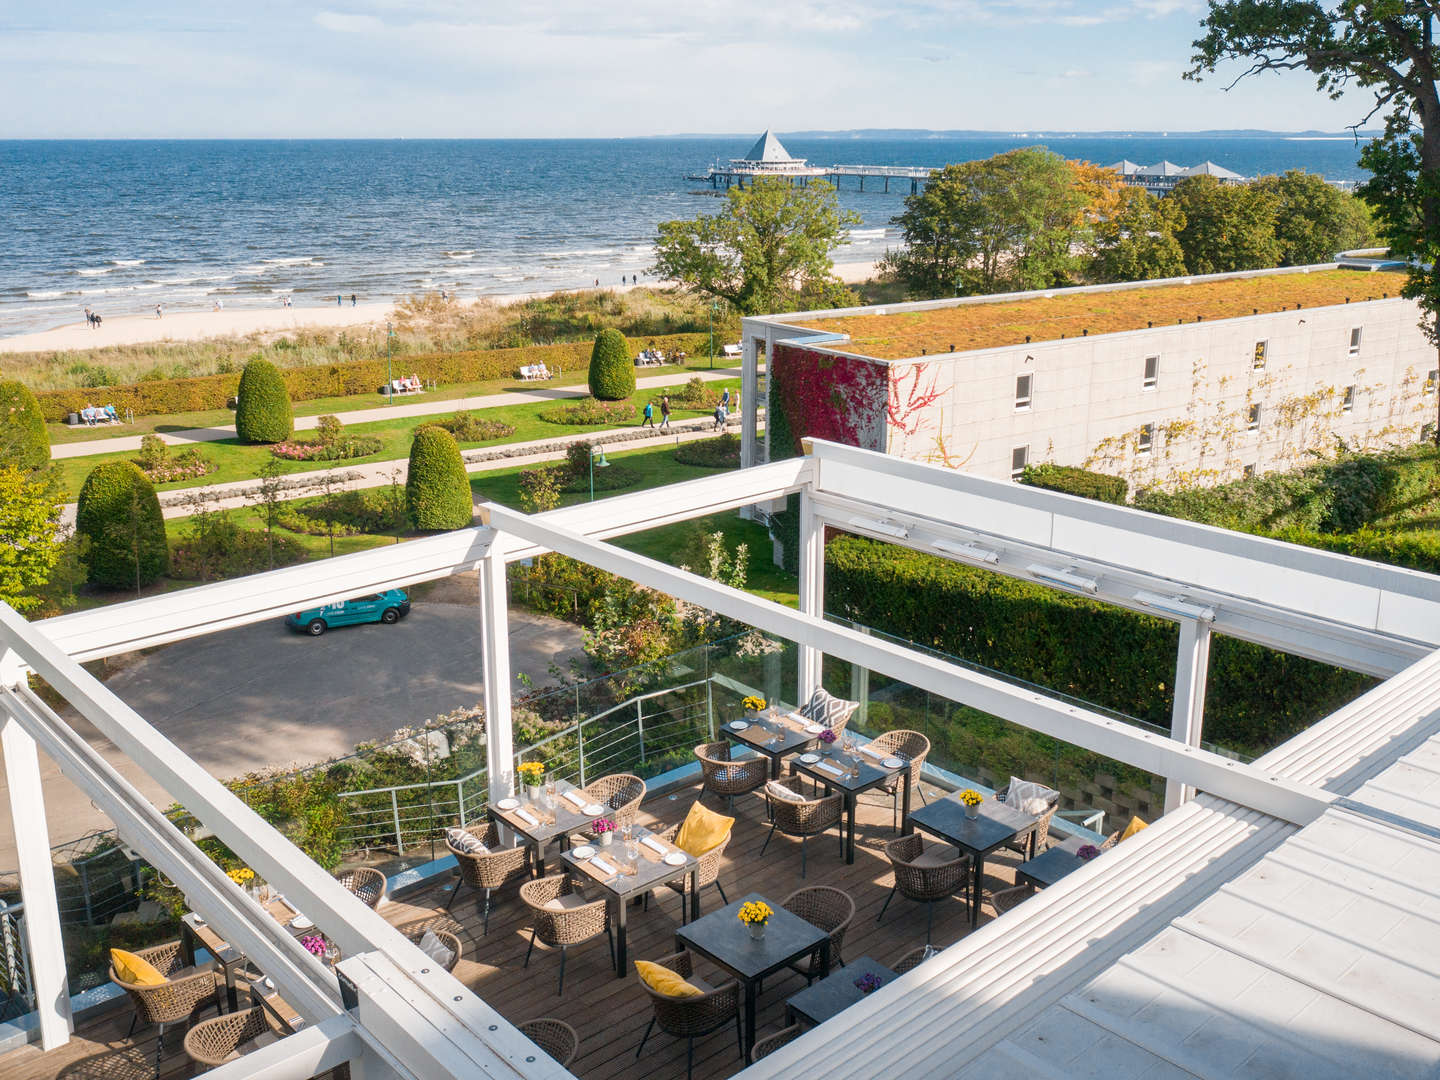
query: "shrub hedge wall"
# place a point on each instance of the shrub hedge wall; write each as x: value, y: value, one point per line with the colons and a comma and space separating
x: 1118, y: 659
x: 25, y: 435
x: 336, y: 380
x: 1071, y: 480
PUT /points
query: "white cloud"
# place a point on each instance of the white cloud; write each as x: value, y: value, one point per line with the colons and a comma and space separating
x: 348, y: 24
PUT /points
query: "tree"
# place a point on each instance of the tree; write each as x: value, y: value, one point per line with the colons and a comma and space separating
x: 1386, y: 47
x: 1137, y: 241
x: 262, y: 405
x: 612, y: 370
x: 24, y: 439
x: 1228, y: 227
x: 769, y: 243
x: 119, y: 513
x: 1006, y: 223
x: 1315, y: 220
x: 31, y: 540
x: 437, y: 490
x: 267, y: 497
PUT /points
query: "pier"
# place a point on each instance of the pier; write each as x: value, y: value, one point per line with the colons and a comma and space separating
x: 768, y: 159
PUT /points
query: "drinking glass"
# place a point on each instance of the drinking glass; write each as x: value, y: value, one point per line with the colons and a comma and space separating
x: 550, y: 785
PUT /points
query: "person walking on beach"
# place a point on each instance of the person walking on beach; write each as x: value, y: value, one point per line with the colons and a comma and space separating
x: 665, y: 412
x: 352, y: 299
x: 89, y: 319
x: 159, y: 312
x: 649, y: 420
x: 339, y: 300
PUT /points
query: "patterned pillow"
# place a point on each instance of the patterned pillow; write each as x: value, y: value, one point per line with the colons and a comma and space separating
x: 1029, y: 797
x: 462, y: 840
x: 825, y: 708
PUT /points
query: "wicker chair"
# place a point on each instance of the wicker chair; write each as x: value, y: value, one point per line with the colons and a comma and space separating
x: 183, y: 994
x: 912, y: 745
x: 499, y: 867
x: 444, y: 928
x: 709, y: 868
x: 570, y: 921
x: 836, y: 722
x: 214, y: 1042
x: 922, y: 875
x: 365, y: 883
x: 911, y: 959
x: 829, y: 909
x: 727, y: 778
x: 555, y: 1037
x: 1040, y: 831
x: 689, y: 1018
x: 621, y: 793
x: 805, y: 818
x: 768, y: 1045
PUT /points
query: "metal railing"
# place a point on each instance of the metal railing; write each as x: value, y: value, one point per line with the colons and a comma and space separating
x: 96, y: 878
x: 17, y: 995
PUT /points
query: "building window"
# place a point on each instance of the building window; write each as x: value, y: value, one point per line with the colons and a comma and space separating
x: 1019, y: 458
x: 1253, y: 423
x: 1432, y: 380
x: 1261, y: 348
x: 1147, y: 438
x: 1355, y: 334
x: 1152, y: 373
x: 1022, y: 391
x: 1249, y: 471
x: 1348, y: 404
x: 1427, y: 432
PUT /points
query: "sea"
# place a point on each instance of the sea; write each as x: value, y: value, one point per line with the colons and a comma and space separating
x: 120, y: 226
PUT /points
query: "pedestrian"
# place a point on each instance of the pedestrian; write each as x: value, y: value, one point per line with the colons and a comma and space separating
x: 339, y: 300
x: 720, y: 417
x: 665, y: 413
x: 89, y: 319
x: 597, y: 282
x: 649, y: 420
x: 159, y: 312
x: 352, y: 299
x: 725, y: 400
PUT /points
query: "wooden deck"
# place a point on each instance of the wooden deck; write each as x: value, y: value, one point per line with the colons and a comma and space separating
x: 609, y: 1013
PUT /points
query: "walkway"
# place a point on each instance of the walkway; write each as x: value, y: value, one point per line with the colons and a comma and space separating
x: 536, y: 393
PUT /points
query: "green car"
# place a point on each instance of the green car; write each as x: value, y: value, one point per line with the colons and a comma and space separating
x: 386, y: 607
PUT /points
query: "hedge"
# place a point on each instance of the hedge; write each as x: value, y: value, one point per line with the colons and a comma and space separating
x: 1071, y: 480
x: 25, y: 435
x: 162, y: 397
x: 612, y: 369
x: 437, y: 490
x: 1412, y: 550
x: 262, y: 409
x: 118, y: 511
x: 1117, y: 659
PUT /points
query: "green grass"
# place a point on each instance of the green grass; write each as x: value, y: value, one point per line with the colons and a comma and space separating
x: 237, y: 461
x: 670, y: 543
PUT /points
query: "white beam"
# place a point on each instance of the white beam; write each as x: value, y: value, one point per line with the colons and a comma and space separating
x: 309, y: 1052
x: 37, y: 870
x: 812, y: 593
x: 749, y: 402
x: 495, y: 639
x: 1187, y: 715
x: 1112, y: 738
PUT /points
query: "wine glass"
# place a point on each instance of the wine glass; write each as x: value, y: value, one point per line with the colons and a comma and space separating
x: 551, y: 784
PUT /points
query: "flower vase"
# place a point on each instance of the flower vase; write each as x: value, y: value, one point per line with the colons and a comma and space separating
x: 972, y: 812
x: 757, y: 931
x: 606, y: 838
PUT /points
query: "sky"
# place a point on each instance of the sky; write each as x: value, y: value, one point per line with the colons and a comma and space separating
x: 613, y: 68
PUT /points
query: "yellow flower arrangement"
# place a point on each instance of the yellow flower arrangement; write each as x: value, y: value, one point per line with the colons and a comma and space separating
x: 531, y: 773
x: 241, y: 875
x: 755, y: 913
x: 752, y: 703
x: 971, y: 797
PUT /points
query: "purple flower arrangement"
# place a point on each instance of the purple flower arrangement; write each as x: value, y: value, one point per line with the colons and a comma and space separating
x: 869, y: 983
x: 602, y: 825
x: 1086, y: 852
x: 314, y: 944
x: 827, y: 736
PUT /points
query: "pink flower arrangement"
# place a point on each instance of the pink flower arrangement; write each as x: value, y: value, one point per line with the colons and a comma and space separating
x: 1086, y: 852
x: 314, y: 944
x: 602, y: 825
x: 827, y: 736
x: 869, y: 983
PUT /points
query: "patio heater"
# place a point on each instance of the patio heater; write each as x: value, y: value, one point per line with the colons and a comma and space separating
x: 601, y: 464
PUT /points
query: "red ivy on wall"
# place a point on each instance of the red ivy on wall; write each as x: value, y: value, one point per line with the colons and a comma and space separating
x: 824, y: 396
x: 912, y: 392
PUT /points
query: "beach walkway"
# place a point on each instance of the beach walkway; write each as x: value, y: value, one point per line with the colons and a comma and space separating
x: 403, y: 408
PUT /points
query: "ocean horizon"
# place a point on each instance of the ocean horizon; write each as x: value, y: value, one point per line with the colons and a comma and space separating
x: 121, y: 225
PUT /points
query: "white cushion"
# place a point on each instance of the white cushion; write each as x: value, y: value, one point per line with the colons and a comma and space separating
x: 463, y: 840
x: 436, y: 949
x: 780, y: 791
x: 566, y: 902
x: 1029, y: 797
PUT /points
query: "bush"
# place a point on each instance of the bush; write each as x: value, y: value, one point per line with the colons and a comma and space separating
x: 119, y: 514
x: 612, y: 371
x: 474, y: 428
x: 340, y: 449
x: 24, y: 441
x: 347, y: 513
x: 588, y: 411
x: 437, y: 491
x: 693, y: 395
x: 721, y: 452
x: 579, y: 474
x: 262, y: 409
x: 539, y: 489
x: 1075, y: 481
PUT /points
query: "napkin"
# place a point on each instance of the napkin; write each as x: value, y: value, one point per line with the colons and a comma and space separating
x: 603, y: 865
x: 830, y: 768
x: 654, y: 845
x: 524, y: 815
x: 876, y: 754
x: 576, y: 798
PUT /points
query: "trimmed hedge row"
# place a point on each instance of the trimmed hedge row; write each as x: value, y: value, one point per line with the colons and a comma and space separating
x: 166, y: 396
x: 1117, y: 659
x: 1070, y: 480
x: 1412, y: 550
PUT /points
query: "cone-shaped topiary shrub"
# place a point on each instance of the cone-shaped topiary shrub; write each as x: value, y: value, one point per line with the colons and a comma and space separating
x: 437, y: 491
x: 612, y: 372
x: 24, y: 442
x: 262, y: 409
x: 119, y: 513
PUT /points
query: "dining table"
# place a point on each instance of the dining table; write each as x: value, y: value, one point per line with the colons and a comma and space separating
x: 196, y: 933
x: 774, y: 734
x: 1053, y: 863
x: 540, y: 817
x: 852, y: 774
x: 993, y: 825
x: 836, y: 992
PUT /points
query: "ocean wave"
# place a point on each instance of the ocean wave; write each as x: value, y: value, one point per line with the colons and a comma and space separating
x: 94, y: 271
x: 127, y: 262
x: 55, y: 294
x: 465, y: 253
x: 292, y: 260
x: 867, y: 234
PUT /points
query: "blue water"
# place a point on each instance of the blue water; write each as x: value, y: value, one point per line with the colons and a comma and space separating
x: 121, y: 226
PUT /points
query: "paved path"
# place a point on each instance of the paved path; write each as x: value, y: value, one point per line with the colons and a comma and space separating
x: 537, y: 392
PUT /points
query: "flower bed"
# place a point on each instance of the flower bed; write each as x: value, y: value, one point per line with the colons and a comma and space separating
x: 470, y: 428
x: 721, y: 452
x: 590, y: 411
x: 186, y: 465
x: 342, y: 449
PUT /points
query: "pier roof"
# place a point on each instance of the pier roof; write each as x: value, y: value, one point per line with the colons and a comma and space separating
x: 891, y: 333
x: 768, y: 149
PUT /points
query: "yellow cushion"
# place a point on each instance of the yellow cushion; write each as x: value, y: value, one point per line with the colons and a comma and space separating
x: 664, y: 981
x: 702, y: 830
x: 132, y: 969
x: 1136, y: 824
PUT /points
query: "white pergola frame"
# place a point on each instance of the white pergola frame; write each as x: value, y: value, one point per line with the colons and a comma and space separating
x: 399, y: 1017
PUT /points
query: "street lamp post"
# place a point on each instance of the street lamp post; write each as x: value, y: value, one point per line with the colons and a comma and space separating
x: 389, y: 368
x: 712, y: 334
x: 601, y: 464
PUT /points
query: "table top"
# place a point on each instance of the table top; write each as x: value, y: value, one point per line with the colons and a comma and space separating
x: 726, y: 940
x: 837, y: 991
x: 650, y: 866
x: 277, y: 907
x: 555, y: 820
x: 996, y: 824
x: 1053, y: 864
x: 762, y: 728
x: 872, y: 773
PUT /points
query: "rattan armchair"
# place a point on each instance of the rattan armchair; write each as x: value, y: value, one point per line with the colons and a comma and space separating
x: 911, y: 959
x: 804, y: 818
x: 491, y: 870
x: 555, y: 1037
x: 620, y: 793
x: 833, y: 712
x: 689, y: 1018
x: 183, y: 994
x: 365, y: 883
x: 727, y: 778
x: 444, y: 928
x: 1039, y: 832
x: 214, y: 1042
x: 768, y: 1045
x: 829, y: 909
x: 709, y: 873
x: 925, y: 875
x: 560, y: 919
x: 915, y: 747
